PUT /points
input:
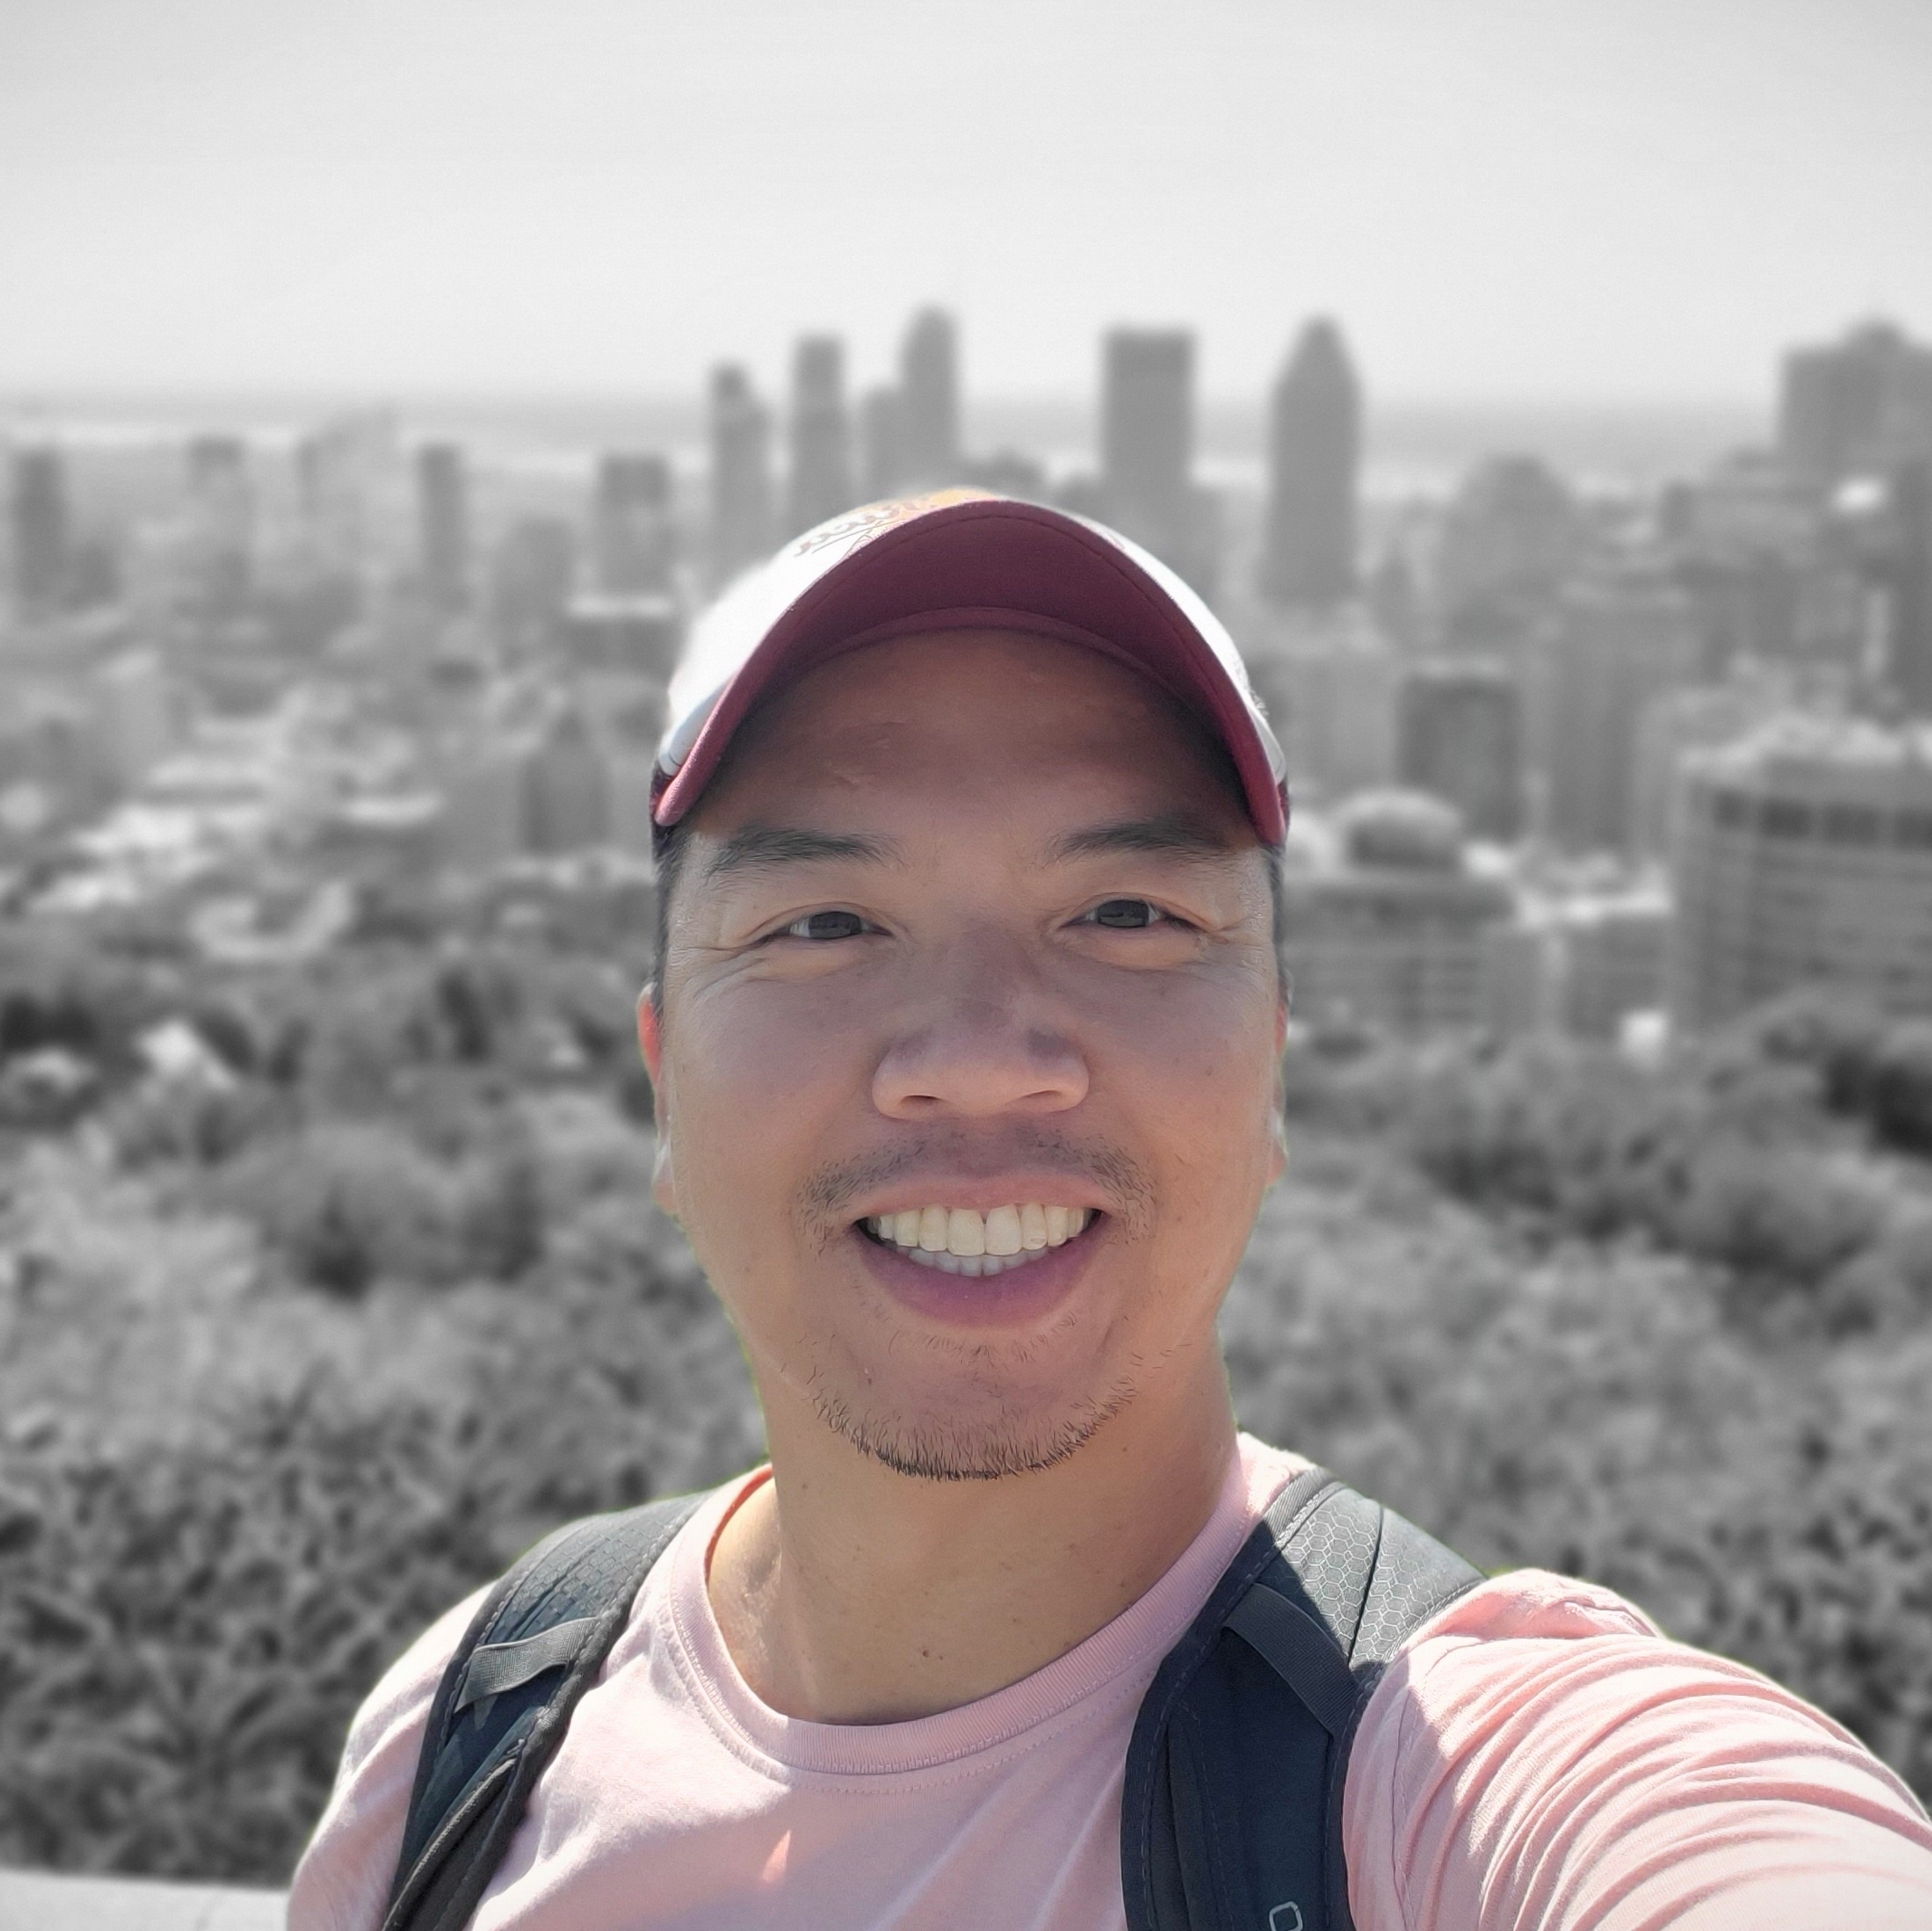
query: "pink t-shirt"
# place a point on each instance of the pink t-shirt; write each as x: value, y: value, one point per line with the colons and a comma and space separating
x: 1538, y: 1758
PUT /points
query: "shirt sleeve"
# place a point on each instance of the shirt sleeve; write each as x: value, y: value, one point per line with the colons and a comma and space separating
x: 342, y: 1883
x: 1540, y: 1758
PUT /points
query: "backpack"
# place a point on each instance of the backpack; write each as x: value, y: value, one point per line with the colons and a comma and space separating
x: 1230, y: 1814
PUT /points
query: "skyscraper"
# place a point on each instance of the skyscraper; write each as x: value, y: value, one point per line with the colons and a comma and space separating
x: 442, y: 524
x: 633, y: 533
x: 741, y: 483
x: 1857, y: 404
x: 928, y: 401
x: 1620, y: 641
x: 1315, y: 455
x: 221, y: 518
x: 820, y: 485
x: 42, y: 533
x: 1146, y: 446
x: 344, y: 468
x: 1460, y: 739
x: 1909, y: 617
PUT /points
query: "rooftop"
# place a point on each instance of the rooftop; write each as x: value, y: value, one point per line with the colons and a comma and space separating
x: 1795, y: 743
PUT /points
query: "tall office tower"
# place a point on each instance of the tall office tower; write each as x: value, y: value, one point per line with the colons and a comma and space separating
x: 1512, y: 537
x: 1744, y: 537
x: 1398, y: 932
x: 1459, y: 737
x: 1314, y: 459
x: 741, y: 482
x: 221, y: 524
x: 928, y: 398
x: 1804, y: 858
x: 882, y: 442
x: 43, y: 531
x: 340, y: 469
x: 820, y: 485
x: 1908, y: 640
x: 634, y: 535
x: 1619, y: 642
x: 442, y: 525
x: 1146, y: 438
x: 1858, y: 405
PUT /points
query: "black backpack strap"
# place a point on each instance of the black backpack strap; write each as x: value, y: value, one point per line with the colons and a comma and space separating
x: 533, y: 1648
x: 1231, y: 1816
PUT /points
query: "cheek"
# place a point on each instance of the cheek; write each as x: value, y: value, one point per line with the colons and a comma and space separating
x: 1195, y: 1078
x: 754, y: 1078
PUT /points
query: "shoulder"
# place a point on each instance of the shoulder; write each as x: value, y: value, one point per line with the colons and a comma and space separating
x: 342, y: 1882
x: 1540, y: 1754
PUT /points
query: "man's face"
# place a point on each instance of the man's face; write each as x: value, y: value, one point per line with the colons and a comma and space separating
x: 968, y: 921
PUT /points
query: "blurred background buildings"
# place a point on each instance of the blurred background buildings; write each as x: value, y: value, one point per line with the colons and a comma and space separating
x: 1605, y: 753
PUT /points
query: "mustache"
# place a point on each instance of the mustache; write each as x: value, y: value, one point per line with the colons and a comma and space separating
x: 826, y: 1198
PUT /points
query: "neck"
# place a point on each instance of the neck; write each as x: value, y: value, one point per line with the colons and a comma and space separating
x: 849, y: 1594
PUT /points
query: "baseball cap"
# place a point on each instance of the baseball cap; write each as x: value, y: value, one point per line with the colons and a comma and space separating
x: 957, y: 559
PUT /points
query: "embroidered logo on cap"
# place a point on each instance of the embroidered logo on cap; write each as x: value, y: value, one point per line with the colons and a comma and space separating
x: 865, y: 523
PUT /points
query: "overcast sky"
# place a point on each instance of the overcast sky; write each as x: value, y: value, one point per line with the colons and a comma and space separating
x: 1534, y: 199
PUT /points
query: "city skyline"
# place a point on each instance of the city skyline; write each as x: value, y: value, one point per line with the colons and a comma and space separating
x: 1518, y: 206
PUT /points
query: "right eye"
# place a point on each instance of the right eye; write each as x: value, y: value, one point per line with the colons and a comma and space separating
x: 814, y: 926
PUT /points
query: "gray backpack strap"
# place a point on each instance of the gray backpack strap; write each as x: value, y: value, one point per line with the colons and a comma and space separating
x: 1231, y: 1815
x: 536, y: 1645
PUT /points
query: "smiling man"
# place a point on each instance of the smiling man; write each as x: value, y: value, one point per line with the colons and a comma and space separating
x: 965, y: 1035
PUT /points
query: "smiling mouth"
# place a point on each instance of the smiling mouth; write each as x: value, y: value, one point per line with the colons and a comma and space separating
x: 1066, y: 1226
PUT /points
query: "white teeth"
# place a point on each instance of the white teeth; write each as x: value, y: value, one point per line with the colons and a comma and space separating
x: 1002, y: 1231
x: 964, y: 1242
x: 965, y: 1232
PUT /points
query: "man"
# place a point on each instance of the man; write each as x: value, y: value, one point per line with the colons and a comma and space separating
x: 965, y: 1036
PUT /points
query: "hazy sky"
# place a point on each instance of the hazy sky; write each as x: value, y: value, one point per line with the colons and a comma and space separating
x: 1499, y: 198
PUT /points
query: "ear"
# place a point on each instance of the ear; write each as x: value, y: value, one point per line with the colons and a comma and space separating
x: 650, y: 1041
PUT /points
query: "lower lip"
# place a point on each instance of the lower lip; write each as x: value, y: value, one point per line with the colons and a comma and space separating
x: 1016, y: 1297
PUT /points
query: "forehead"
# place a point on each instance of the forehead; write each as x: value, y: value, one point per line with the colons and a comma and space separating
x: 956, y: 716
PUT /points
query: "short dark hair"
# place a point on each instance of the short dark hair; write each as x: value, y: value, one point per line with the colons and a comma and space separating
x: 668, y: 844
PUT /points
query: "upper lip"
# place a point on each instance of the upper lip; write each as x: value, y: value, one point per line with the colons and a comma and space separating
x: 982, y: 1196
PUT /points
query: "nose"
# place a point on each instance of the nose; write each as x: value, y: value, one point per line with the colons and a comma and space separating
x: 980, y: 1046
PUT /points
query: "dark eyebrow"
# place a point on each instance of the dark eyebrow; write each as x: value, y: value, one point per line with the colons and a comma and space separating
x: 763, y: 847
x: 1178, y: 833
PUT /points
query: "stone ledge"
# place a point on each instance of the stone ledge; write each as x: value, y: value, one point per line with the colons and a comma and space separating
x: 35, y: 1900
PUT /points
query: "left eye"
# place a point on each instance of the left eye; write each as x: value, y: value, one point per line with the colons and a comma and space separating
x: 824, y: 925
x: 1127, y: 915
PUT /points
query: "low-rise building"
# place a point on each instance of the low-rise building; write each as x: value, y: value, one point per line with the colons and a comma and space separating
x: 1396, y: 929
x: 1804, y: 858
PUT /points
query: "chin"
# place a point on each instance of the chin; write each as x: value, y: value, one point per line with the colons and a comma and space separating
x: 976, y: 1442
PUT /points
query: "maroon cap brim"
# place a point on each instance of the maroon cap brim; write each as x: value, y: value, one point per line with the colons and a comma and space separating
x: 989, y: 562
